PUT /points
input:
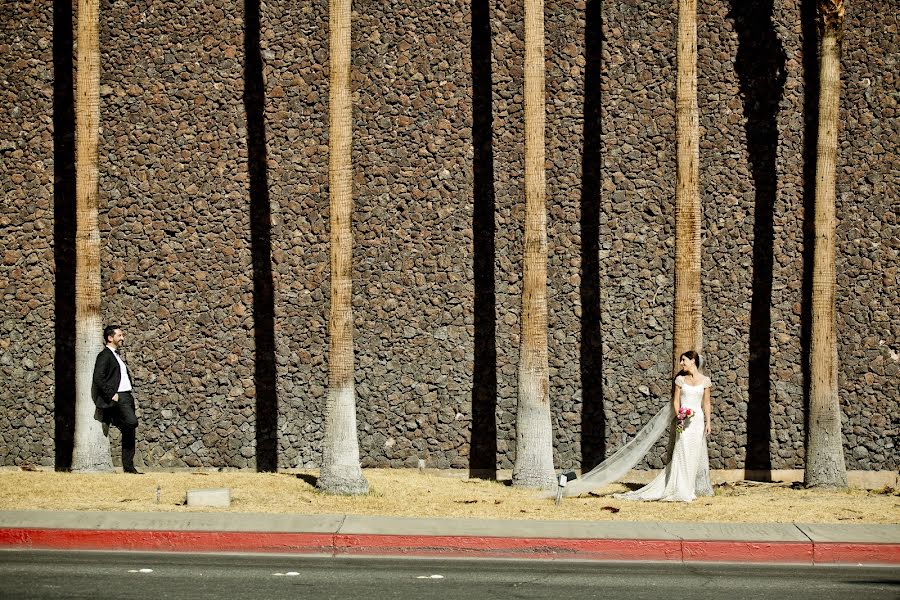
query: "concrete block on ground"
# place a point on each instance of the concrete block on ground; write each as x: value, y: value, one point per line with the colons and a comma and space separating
x: 218, y: 497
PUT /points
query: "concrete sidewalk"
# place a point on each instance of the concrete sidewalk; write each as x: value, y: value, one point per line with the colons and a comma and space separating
x: 342, y: 535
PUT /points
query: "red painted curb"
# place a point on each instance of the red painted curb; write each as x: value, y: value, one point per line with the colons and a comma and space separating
x: 450, y: 546
x: 168, y: 541
x: 845, y: 553
x: 462, y: 546
x: 720, y: 551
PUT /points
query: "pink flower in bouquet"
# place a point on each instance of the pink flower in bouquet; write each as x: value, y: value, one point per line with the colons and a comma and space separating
x: 684, y: 418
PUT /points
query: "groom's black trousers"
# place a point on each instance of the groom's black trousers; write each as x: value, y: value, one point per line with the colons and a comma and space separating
x: 122, y: 415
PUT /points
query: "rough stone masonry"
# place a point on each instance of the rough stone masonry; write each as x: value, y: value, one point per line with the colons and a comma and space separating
x: 176, y: 198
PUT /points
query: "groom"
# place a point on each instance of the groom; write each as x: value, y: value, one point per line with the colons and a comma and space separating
x: 112, y: 386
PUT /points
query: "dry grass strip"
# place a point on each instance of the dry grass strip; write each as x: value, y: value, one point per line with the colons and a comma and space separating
x: 411, y: 493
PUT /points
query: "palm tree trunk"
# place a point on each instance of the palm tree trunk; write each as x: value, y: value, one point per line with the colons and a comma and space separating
x: 534, y: 435
x: 341, y: 472
x: 688, y: 333
x: 825, y: 453
x: 91, y: 446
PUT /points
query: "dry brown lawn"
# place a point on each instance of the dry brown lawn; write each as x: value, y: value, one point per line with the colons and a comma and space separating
x: 411, y: 493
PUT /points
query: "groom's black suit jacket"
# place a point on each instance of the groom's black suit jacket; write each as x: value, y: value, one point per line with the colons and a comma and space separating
x: 107, y: 375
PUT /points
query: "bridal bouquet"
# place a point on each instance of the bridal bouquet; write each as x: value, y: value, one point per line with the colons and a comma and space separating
x: 684, y: 419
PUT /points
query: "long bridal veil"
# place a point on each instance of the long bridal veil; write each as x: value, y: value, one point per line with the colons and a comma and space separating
x: 627, y: 456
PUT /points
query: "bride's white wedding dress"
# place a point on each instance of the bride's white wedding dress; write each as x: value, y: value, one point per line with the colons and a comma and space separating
x: 686, y: 475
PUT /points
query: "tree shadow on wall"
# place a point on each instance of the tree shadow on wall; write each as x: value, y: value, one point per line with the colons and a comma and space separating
x: 483, y: 443
x: 64, y: 234
x: 760, y: 67
x: 265, y: 372
x: 593, y: 415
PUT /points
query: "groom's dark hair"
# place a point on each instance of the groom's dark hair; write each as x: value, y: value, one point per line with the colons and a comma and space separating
x: 108, y: 331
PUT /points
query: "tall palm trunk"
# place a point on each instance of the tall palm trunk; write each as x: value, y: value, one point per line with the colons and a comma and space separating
x: 825, y: 453
x: 91, y: 446
x: 341, y: 472
x: 534, y: 435
x: 688, y: 333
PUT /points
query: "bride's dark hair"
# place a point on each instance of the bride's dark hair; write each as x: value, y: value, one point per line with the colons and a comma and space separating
x: 694, y: 356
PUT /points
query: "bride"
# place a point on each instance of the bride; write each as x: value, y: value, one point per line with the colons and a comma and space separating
x: 686, y: 475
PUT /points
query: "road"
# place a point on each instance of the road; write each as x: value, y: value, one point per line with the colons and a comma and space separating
x: 97, y: 575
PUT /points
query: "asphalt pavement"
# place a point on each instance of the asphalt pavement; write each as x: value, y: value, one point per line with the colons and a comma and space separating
x: 46, y: 575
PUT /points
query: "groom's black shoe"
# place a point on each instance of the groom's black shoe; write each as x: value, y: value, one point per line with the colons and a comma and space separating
x: 133, y: 471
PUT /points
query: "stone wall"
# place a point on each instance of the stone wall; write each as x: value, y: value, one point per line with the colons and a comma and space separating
x: 204, y: 179
x: 868, y: 236
x: 27, y: 260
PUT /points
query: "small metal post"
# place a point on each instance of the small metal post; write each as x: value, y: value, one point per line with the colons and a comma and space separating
x: 564, y: 478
